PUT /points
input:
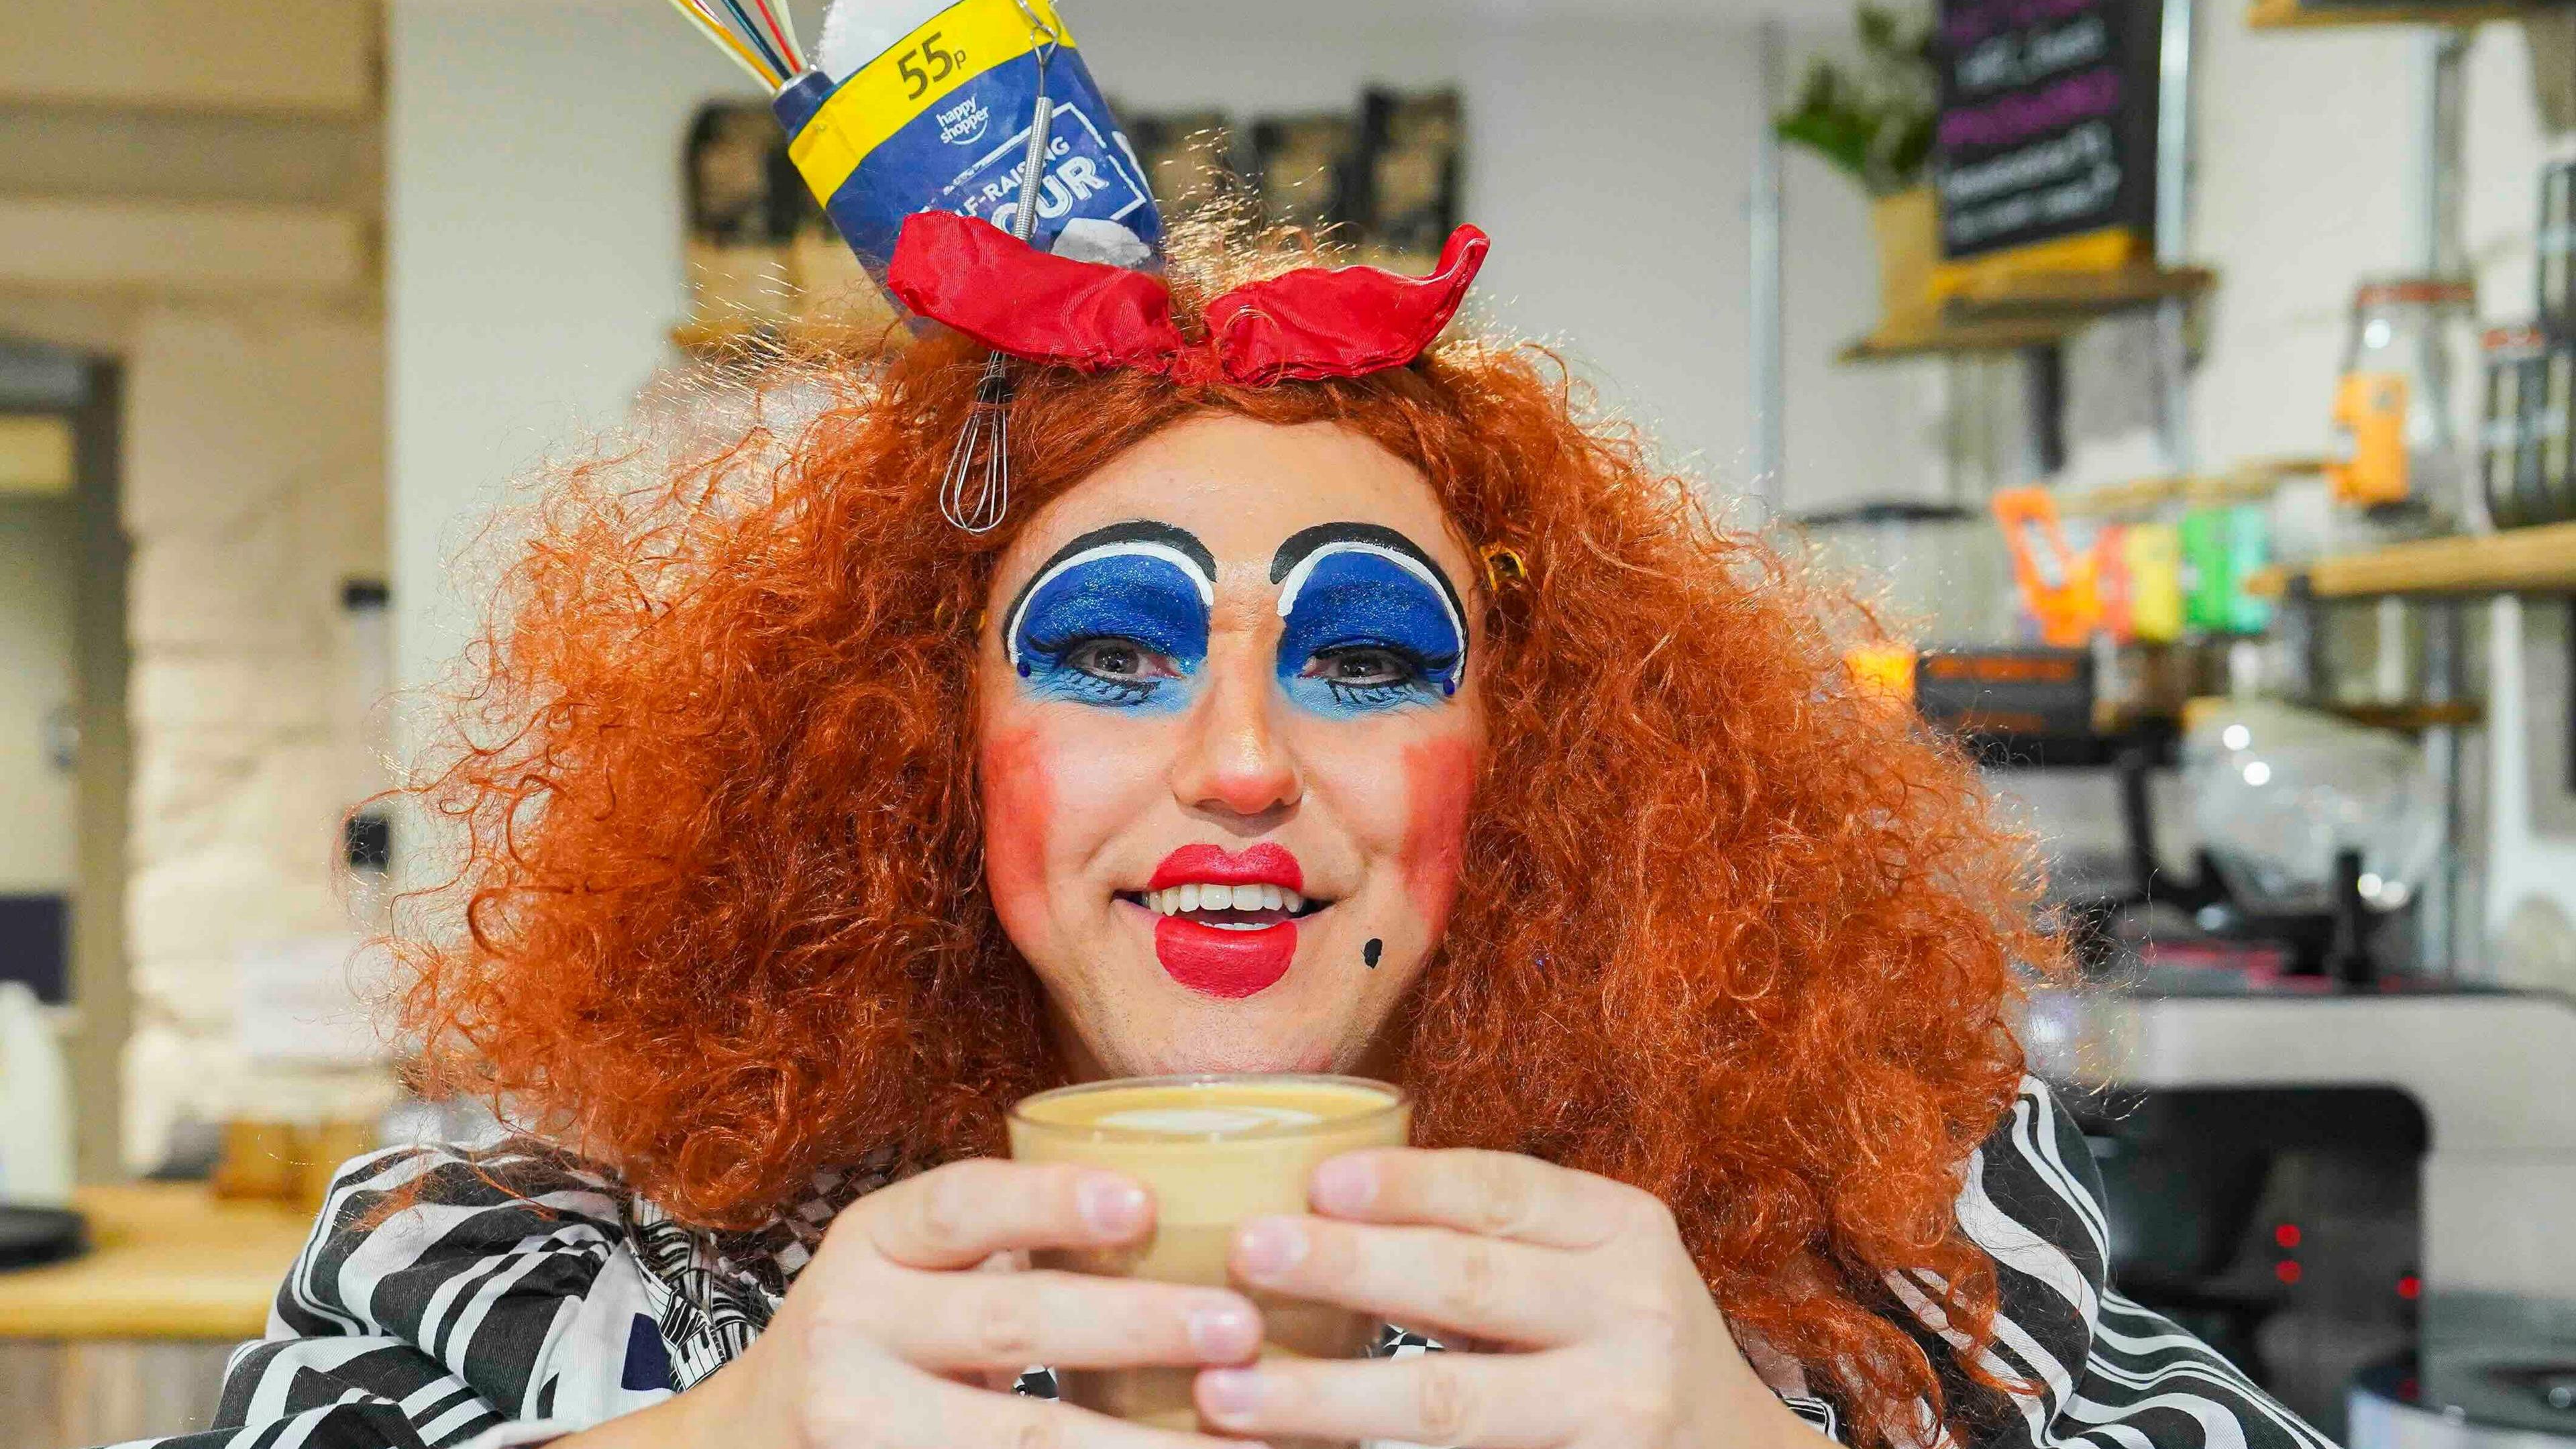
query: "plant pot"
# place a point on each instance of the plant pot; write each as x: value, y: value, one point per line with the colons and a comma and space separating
x: 1909, y: 246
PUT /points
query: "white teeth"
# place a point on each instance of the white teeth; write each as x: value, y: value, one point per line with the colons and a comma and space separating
x: 1196, y: 896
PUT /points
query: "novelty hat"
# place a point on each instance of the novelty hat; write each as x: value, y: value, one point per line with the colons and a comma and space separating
x: 924, y: 129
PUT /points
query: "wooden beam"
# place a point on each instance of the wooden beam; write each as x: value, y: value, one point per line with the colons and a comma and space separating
x: 2069, y: 296
x: 1930, y: 336
x: 52, y: 244
x: 298, y: 57
x: 2515, y: 561
x: 2303, y: 14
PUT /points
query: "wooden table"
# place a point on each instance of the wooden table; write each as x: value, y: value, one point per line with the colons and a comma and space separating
x: 130, y: 1339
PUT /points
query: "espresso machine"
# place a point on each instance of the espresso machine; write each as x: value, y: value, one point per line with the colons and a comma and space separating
x: 2365, y: 1194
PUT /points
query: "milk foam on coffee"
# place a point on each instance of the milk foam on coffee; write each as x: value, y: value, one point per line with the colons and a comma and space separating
x: 1207, y: 1121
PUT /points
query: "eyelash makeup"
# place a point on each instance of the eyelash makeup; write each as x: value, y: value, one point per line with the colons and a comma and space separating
x: 1415, y: 682
x: 1065, y: 677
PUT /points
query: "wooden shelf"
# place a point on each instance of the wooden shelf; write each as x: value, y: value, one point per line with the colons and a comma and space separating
x: 2031, y: 309
x: 2421, y: 715
x: 2516, y: 561
x: 2069, y: 298
x: 2307, y: 14
x: 1934, y: 337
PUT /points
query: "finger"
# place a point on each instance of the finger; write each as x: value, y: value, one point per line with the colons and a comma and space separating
x: 949, y: 1323
x: 1491, y: 1194
x: 958, y: 1215
x: 1492, y: 1402
x: 1432, y: 1279
x: 886, y: 1405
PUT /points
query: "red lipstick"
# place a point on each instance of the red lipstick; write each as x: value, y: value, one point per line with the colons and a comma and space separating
x: 1217, y: 962
x: 1212, y: 960
x: 1263, y: 864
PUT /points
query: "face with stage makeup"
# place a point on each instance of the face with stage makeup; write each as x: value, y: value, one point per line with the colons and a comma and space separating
x: 1230, y: 731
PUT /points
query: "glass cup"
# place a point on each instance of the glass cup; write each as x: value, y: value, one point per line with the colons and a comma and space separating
x: 1214, y: 1150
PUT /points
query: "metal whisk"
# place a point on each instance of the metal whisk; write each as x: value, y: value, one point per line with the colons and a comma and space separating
x: 976, y: 498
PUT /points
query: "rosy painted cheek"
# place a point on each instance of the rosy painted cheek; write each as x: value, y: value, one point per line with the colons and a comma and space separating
x: 1019, y: 800
x: 1440, y: 786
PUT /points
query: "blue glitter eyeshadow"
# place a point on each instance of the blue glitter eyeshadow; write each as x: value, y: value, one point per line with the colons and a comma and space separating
x: 1358, y: 600
x: 1130, y: 595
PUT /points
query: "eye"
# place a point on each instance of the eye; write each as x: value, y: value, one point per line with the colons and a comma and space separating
x: 1361, y: 666
x: 1121, y: 660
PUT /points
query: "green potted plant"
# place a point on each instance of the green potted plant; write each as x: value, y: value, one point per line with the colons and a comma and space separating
x: 1874, y: 122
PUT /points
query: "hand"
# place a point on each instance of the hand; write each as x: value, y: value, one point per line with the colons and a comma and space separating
x: 890, y: 1340
x: 1613, y: 1338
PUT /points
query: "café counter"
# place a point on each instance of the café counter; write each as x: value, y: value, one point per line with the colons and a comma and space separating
x: 129, y: 1340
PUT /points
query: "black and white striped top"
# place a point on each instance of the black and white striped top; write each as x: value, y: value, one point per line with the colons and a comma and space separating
x: 519, y: 1298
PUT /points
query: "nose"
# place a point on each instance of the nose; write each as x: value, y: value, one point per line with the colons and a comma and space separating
x: 1234, y: 759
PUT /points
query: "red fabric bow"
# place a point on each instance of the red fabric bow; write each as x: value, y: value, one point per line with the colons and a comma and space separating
x: 1311, y: 323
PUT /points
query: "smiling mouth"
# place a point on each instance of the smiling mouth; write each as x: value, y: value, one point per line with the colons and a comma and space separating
x: 1227, y: 908
x: 1225, y: 921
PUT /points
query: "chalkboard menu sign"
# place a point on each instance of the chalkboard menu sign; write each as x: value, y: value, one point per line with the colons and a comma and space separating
x: 2045, y: 151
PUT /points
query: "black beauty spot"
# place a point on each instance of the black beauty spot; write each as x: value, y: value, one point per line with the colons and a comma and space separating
x: 1371, y: 952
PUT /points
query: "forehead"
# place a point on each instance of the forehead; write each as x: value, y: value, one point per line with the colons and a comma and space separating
x: 1243, y: 488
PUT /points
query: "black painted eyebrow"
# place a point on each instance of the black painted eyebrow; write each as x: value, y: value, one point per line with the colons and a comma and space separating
x: 1134, y: 530
x: 1307, y: 540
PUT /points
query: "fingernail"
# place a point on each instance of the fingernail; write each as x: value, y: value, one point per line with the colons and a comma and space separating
x: 1268, y: 1247
x: 1346, y: 1185
x: 1230, y: 1395
x: 1225, y: 1332
x: 1110, y: 1206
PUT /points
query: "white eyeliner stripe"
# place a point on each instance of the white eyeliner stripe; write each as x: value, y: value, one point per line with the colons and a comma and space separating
x: 1132, y: 547
x: 1295, y: 583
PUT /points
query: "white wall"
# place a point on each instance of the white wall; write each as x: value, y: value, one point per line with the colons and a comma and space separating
x: 533, y: 221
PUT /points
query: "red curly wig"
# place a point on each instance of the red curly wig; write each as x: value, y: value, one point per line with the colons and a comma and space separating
x: 1728, y: 928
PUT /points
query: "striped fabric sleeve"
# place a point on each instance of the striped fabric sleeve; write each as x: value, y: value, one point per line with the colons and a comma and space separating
x: 2101, y: 1371
x: 437, y: 1326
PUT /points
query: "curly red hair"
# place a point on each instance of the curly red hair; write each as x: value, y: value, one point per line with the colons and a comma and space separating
x: 1728, y: 928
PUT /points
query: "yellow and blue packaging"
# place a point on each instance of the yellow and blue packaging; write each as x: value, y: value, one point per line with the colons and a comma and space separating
x: 941, y: 121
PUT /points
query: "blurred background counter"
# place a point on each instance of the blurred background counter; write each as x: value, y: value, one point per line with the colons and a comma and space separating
x: 130, y: 1339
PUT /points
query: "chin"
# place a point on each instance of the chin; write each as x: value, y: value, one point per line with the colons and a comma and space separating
x: 1207, y: 1053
